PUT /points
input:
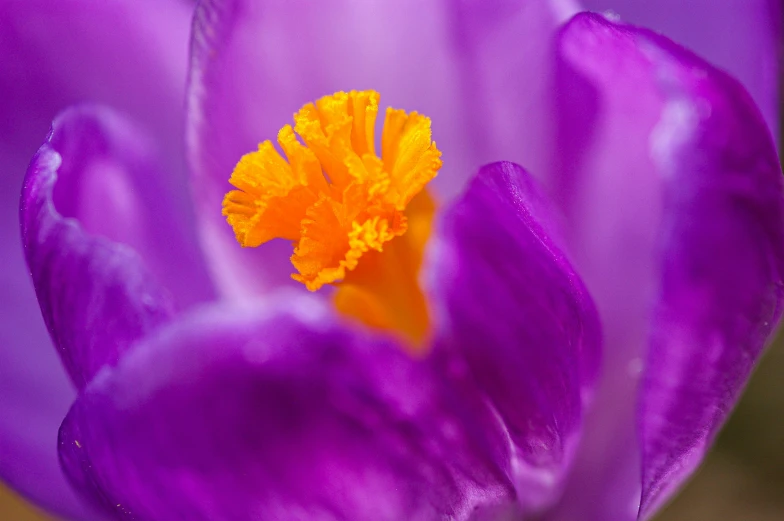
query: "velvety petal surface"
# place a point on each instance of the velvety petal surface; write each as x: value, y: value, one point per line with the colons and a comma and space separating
x: 55, y: 54
x: 514, y: 317
x: 467, y: 64
x: 59, y: 53
x: 274, y: 411
x: 739, y: 36
x: 722, y: 268
x: 99, y: 241
x: 672, y: 188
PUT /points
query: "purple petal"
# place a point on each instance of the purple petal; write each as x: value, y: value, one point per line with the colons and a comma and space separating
x: 55, y: 54
x: 94, y: 218
x: 70, y: 51
x: 465, y: 64
x: 273, y: 412
x: 722, y: 245
x: 503, y: 57
x: 739, y: 36
x: 672, y: 186
x: 35, y: 392
x: 512, y: 309
x: 113, y: 181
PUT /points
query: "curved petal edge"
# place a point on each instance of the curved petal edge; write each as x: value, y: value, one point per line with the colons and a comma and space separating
x: 96, y: 296
x: 274, y: 411
x: 678, y: 216
x: 514, y: 319
x: 721, y: 262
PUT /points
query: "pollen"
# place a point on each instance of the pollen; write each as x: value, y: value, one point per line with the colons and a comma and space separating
x: 336, y: 199
x: 332, y: 195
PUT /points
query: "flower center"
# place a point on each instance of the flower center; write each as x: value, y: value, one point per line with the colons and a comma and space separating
x: 357, y: 221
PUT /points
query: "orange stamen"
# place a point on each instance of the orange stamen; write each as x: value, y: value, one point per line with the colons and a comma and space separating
x: 341, y: 204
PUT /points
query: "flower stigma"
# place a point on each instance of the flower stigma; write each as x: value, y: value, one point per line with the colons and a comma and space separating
x: 358, y: 221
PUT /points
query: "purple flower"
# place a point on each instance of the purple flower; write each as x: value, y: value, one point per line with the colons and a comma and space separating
x: 586, y: 339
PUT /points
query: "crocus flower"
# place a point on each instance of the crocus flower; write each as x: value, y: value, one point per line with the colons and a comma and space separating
x: 584, y: 329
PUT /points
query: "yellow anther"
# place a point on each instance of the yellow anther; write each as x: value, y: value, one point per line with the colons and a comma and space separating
x: 332, y: 195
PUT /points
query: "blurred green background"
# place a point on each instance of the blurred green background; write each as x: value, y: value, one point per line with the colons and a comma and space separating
x: 743, y: 477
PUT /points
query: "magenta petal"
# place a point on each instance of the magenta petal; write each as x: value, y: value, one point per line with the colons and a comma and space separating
x: 515, y: 316
x: 722, y: 273
x: 273, y: 412
x: 466, y: 64
x: 96, y: 293
x: 70, y: 51
x: 114, y: 181
x: 503, y: 55
x: 739, y: 36
x: 674, y: 195
x: 55, y: 54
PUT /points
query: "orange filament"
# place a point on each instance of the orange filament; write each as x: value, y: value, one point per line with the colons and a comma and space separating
x: 339, y: 203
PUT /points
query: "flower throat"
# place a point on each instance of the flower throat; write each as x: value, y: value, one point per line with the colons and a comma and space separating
x: 358, y: 221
